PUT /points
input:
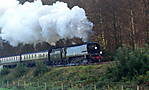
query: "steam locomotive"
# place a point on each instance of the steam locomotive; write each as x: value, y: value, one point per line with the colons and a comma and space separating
x: 70, y: 55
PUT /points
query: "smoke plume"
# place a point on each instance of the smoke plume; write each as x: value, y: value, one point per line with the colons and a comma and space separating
x: 32, y: 23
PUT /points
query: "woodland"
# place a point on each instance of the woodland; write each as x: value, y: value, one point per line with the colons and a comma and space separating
x: 116, y: 23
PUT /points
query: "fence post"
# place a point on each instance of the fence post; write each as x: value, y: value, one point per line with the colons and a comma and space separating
x: 18, y: 84
x: 137, y: 87
x: 24, y: 84
x: 62, y: 86
x: 122, y: 87
x: 45, y: 86
x: 7, y: 85
x: 2, y: 84
x: 95, y: 87
x: 38, y: 83
x: 108, y: 87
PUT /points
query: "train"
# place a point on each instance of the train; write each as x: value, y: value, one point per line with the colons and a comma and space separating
x: 89, y: 52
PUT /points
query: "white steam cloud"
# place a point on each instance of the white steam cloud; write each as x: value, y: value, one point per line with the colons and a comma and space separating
x: 32, y: 23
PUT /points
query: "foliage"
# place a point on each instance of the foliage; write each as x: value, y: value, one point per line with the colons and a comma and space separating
x: 130, y: 63
x: 20, y: 70
x: 12, y: 74
x: 72, y: 77
x: 107, y: 55
x: 4, y: 71
x: 143, y: 78
x: 40, y: 69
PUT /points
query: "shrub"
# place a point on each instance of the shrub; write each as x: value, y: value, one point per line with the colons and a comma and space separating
x: 107, y: 55
x: 143, y: 78
x: 4, y: 71
x: 130, y: 63
x: 8, y: 74
x: 20, y: 70
x: 40, y: 69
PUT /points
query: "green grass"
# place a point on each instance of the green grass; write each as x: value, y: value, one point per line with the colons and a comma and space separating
x: 4, y: 89
x: 56, y: 76
x: 65, y: 74
x: 70, y: 78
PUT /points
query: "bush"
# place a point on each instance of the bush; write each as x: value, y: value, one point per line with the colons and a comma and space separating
x: 40, y: 69
x: 143, y: 78
x: 20, y: 70
x: 4, y: 71
x: 8, y: 74
x: 107, y: 55
x: 130, y: 63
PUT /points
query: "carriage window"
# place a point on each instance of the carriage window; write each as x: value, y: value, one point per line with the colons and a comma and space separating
x: 40, y: 55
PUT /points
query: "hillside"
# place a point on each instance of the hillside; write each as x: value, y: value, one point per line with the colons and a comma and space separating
x: 86, y: 77
x: 55, y: 77
x: 129, y: 68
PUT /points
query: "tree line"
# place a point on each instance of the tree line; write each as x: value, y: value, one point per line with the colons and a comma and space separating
x: 116, y: 23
